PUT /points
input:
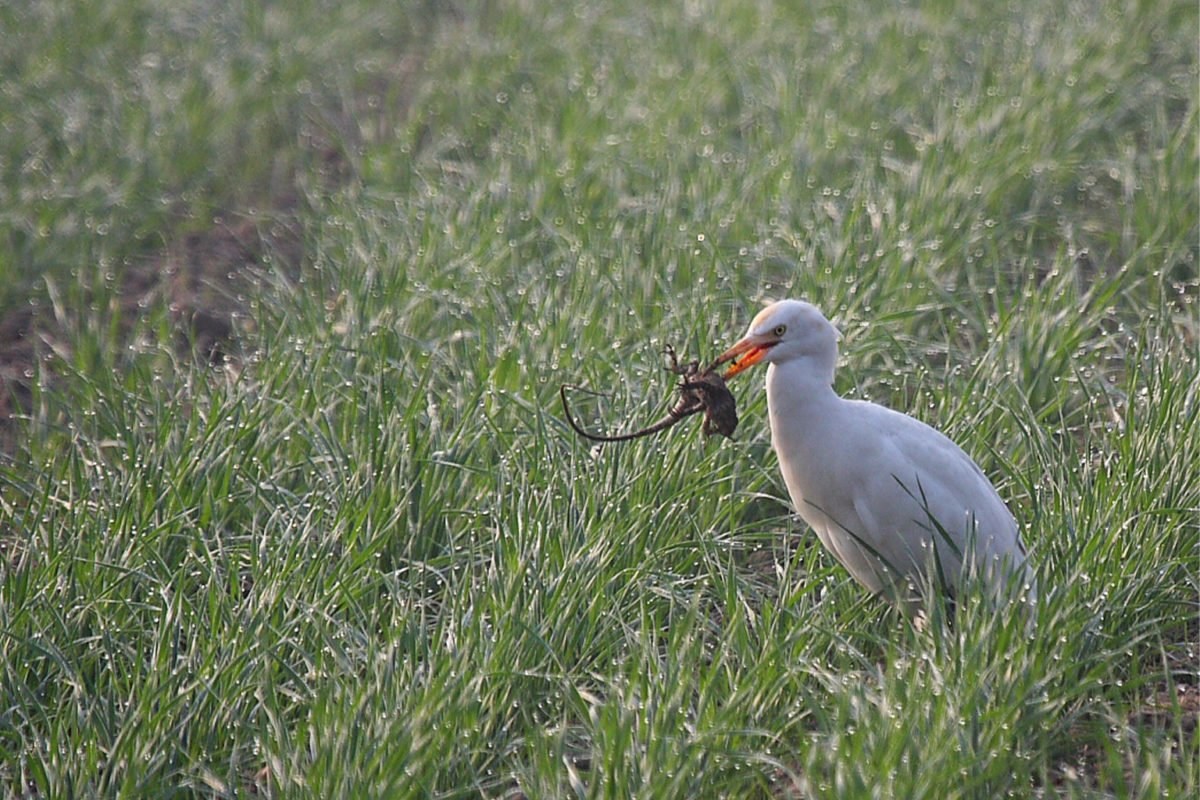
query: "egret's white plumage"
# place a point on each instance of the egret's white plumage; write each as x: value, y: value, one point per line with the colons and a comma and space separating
x: 893, y: 499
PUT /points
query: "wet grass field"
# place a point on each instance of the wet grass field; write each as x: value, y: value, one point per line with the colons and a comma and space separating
x: 288, y: 506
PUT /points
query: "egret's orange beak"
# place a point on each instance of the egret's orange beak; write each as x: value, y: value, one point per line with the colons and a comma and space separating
x: 748, y: 352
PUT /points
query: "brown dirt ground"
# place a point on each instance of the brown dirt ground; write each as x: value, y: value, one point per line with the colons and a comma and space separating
x: 201, y: 278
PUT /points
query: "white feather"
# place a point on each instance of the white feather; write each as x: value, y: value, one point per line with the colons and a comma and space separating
x: 893, y: 499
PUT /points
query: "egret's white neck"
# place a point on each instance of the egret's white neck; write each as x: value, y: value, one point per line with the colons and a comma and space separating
x: 801, y: 402
x: 807, y: 377
x: 794, y: 387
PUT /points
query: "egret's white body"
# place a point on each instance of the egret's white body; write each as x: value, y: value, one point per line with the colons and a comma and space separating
x: 895, y: 501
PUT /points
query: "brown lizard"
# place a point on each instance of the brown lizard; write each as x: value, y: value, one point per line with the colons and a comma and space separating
x: 698, y: 391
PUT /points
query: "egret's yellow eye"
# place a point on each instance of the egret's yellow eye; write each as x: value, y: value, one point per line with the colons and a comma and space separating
x: 779, y: 331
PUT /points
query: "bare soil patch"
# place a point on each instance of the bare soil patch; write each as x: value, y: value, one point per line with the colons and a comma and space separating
x: 203, y: 280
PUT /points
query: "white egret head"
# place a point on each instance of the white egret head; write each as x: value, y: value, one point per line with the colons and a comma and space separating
x: 784, y: 332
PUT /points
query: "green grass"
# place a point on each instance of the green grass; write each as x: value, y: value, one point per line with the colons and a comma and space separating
x: 370, y: 558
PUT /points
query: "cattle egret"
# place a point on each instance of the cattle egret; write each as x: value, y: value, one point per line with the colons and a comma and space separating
x: 896, y: 502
